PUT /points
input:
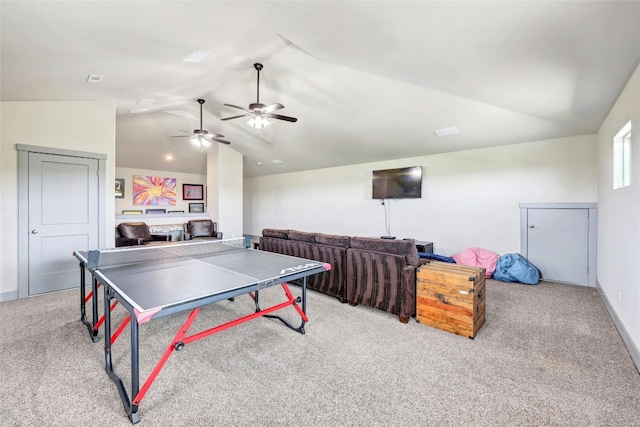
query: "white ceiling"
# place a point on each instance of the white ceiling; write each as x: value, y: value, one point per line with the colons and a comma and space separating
x: 367, y: 80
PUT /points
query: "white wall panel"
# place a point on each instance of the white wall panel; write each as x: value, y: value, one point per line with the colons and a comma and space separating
x: 619, y: 216
x: 181, y: 178
x: 87, y: 126
x: 469, y: 198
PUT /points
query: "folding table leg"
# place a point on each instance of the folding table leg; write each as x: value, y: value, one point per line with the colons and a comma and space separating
x: 129, y: 407
x: 294, y: 301
x: 94, y: 307
x: 83, y: 300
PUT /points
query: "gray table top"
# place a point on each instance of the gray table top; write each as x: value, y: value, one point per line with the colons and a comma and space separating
x: 154, y: 285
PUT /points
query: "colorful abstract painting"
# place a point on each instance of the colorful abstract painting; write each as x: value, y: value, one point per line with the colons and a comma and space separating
x: 153, y: 190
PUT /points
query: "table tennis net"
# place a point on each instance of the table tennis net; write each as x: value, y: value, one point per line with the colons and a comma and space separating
x: 132, y: 255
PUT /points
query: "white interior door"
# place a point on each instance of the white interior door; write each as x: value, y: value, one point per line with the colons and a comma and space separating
x: 558, y: 243
x: 63, y: 218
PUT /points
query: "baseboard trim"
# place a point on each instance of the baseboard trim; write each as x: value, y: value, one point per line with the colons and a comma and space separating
x: 628, y: 342
x: 8, y: 296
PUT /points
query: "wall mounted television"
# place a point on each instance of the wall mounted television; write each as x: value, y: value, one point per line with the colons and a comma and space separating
x: 401, y: 183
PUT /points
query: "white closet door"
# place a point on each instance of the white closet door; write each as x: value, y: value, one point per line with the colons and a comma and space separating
x: 63, y: 218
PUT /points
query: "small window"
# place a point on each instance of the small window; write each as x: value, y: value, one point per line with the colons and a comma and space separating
x: 622, y: 157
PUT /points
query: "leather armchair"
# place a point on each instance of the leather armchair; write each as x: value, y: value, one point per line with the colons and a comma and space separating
x: 201, y: 229
x: 137, y: 233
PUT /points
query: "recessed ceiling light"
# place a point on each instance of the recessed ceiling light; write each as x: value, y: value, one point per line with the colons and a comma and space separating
x: 277, y: 161
x: 259, y: 163
x: 137, y: 110
x: 95, y: 78
x: 196, y: 56
x: 446, y: 131
x: 168, y: 157
x: 146, y: 101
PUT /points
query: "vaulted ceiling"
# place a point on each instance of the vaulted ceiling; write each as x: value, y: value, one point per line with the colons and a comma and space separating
x: 368, y: 80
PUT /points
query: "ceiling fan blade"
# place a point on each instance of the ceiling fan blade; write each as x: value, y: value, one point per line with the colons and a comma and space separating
x: 273, y: 107
x: 222, y: 141
x: 181, y: 136
x: 180, y: 130
x: 235, y: 106
x: 215, y: 137
x: 280, y: 117
x: 235, y: 117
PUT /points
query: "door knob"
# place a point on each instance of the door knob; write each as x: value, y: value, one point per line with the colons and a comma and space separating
x: 532, y: 226
x: 34, y: 231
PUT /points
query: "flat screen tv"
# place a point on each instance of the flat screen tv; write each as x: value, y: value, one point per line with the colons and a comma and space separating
x: 401, y: 183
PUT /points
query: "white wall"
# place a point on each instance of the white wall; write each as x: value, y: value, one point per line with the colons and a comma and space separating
x: 181, y: 178
x: 469, y: 198
x: 87, y: 126
x: 225, y: 181
x: 619, y: 217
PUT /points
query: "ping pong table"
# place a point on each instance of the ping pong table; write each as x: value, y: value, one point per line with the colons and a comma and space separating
x: 153, y: 282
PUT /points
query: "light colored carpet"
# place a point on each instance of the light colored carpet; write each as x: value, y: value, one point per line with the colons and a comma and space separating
x: 549, y: 355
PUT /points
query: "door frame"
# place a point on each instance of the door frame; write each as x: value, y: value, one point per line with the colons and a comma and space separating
x: 23, y: 204
x: 593, y: 223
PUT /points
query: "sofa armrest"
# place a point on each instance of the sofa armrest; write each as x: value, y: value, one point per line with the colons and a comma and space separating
x: 408, y: 292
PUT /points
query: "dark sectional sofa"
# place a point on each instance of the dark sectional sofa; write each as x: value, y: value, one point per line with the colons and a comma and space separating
x: 374, y: 272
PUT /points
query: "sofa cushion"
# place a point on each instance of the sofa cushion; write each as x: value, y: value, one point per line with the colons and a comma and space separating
x: 332, y: 282
x: 302, y: 236
x: 273, y: 232
x: 135, y: 230
x: 406, y: 248
x: 332, y: 240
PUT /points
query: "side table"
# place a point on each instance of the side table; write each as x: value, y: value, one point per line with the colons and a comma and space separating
x: 424, y: 246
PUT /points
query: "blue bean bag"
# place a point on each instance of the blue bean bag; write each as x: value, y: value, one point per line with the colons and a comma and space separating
x: 515, y: 268
x: 436, y: 257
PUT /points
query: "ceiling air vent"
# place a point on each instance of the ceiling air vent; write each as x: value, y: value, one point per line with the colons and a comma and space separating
x: 95, y: 78
x: 446, y: 131
x: 196, y: 56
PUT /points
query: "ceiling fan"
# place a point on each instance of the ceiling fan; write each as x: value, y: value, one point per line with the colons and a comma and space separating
x: 260, y: 112
x: 202, y: 137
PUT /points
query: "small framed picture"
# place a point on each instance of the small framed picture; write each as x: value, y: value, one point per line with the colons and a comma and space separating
x: 192, y: 191
x: 119, y: 188
x: 196, y: 207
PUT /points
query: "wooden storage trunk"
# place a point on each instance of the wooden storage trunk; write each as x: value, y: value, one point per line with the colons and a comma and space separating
x: 451, y: 297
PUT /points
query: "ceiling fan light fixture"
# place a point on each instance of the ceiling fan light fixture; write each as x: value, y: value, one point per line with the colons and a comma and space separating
x: 201, y: 137
x: 258, y: 111
x: 258, y: 122
x: 200, y: 141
